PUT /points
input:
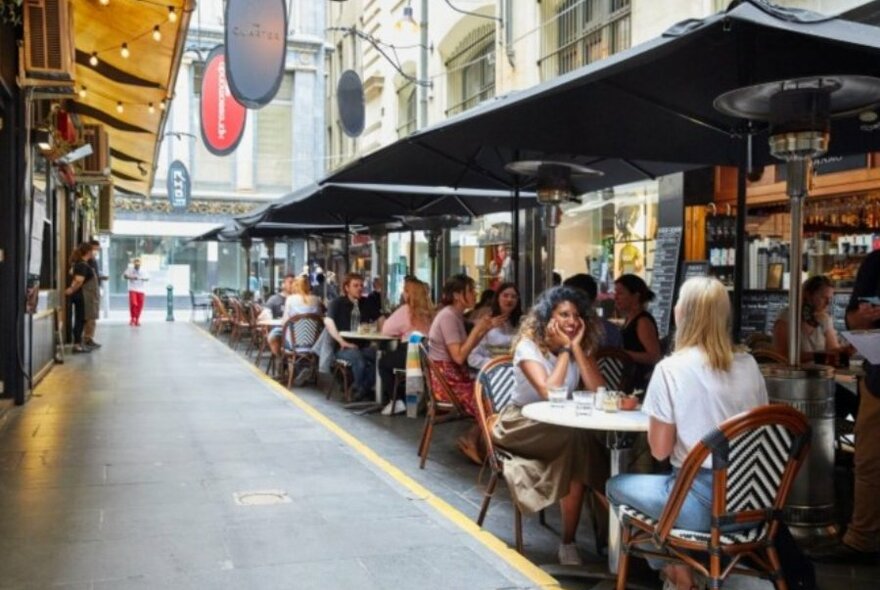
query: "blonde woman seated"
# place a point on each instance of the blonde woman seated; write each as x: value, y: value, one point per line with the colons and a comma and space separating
x: 702, y: 384
x: 298, y: 301
x: 414, y: 315
x: 550, y: 463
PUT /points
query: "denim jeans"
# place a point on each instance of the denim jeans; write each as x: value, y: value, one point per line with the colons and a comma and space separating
x: 650, y: 493
x: 363, y: 366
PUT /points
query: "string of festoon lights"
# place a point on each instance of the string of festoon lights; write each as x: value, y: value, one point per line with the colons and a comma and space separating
x: 125, y: 51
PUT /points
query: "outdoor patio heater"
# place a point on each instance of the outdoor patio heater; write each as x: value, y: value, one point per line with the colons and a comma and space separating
x: 553, y: 186
x: 799, y: 112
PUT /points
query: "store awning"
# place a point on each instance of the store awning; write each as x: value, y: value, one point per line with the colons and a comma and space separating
x: 650, y: 104
x: 131, y: 227
x: 146, y: 77
x: 369, y: 204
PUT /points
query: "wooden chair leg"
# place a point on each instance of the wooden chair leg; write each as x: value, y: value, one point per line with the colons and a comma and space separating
x: 332, y: 384
x: 518, y: 526
x: 426, y: 445
x: 623, y: 559
x: 778, y: 579
x: 487, y: 497
x: 291, y: 370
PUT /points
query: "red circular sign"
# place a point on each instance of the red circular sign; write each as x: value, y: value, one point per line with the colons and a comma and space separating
x: 222, y: 117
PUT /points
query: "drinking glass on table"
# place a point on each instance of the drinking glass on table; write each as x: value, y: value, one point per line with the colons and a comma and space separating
x: 583, y: 402
x: 557, y: 396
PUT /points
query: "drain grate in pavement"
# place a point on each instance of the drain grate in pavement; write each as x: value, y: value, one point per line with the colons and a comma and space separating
x: 261, y: 498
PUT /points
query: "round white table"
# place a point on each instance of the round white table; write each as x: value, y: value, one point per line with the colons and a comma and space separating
x: 619, y: 427
x: 272, y: 323
x: 379, y: 342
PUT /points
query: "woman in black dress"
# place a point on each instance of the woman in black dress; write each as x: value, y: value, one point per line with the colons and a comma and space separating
x: 640, y: 337
x: 80, y: 274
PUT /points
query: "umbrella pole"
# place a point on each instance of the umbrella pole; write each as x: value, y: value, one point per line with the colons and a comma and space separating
x: 347, y: 247
x: 412, y: 252
x: 740, y: 254
x: 514, y: 239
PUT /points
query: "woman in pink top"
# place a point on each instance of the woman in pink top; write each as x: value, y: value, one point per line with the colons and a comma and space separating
x: 449, y: 347
x: 414, y: 315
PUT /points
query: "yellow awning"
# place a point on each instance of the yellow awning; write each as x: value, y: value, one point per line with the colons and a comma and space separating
x: 146, y: 77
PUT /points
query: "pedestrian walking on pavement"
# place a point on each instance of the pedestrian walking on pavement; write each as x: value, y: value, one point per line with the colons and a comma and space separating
x: 136, y: 279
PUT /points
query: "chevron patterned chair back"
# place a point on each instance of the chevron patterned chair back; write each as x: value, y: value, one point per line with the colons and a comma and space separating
x: 617, y: 369
x: 303, y: 331
x: 755, y: 457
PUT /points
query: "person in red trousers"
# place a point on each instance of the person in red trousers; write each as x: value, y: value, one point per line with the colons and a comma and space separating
x: 136, y: 279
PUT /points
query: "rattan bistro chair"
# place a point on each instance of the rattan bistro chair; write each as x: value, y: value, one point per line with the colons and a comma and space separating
x: 494, y: 390
x: 302, y: 332
x: 616, y: 368
x: 220, y: 319
x: 439, y: 411
x: 755, y: 457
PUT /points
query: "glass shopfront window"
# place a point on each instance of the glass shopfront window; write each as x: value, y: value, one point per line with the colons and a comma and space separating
x: 177, y: 261
x: 608, y: 234
x: 398, y: 262
x: 481, y: 250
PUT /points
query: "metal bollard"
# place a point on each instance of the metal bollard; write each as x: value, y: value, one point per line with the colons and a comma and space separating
x: 169, y: 304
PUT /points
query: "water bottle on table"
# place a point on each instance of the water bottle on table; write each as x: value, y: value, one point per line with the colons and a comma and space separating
x: 355, y: 319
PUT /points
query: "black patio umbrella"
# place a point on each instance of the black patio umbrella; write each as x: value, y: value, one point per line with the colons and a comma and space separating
x: 371, y: 204
x: 234, y: 231
x: 634, y: 113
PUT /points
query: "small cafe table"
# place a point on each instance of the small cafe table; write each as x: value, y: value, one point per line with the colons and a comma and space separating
x: 619, y: 427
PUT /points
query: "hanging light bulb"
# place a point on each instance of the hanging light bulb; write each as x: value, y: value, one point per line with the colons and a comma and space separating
x: 119, y: 107
x: 172, y: 15
x: 104, y: 2
x: 157, y: 34
x: 407, y: 23
x: 163, y: 104
x: 123, y: 51
x: 82, y: 92
x: 151, y: 109
x: 93, y: 60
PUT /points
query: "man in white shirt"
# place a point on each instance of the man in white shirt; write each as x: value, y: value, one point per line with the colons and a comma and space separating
x: 136, y: 279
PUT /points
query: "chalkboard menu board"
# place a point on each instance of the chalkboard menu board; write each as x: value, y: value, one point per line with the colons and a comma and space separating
x: 838, y: 309
x: 694, y: 268
x: 761, y: 309
x: 666, y: 252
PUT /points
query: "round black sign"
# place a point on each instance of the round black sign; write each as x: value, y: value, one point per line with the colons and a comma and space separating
x: 179, y: 185
x: 256, y: 48
x: 350, y: 97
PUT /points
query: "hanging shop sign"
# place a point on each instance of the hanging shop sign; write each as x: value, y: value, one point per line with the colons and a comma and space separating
x: 256, y: 47
x: 222, y: 118
x: 179, y: 186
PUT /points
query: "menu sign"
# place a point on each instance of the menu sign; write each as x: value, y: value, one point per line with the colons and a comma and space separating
x: 760, y: 310
x: 694, y: 268
x: 668, y: 245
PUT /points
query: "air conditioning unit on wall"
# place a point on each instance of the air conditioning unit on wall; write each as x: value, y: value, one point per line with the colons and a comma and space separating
x: 98, y: 163
x: 49, y: 52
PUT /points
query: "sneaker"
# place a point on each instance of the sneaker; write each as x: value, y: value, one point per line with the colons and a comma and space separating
x: 568, y: 554
x: 388, y: 409
x: 399, y: 408
x: 93, y: 344
x: 78, y: 348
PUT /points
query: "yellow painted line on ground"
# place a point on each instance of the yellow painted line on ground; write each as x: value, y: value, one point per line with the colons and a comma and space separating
x: 528, y: 569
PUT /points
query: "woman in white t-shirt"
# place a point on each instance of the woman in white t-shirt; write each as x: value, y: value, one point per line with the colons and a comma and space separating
x: 551, y: 463
x: 702, y: 384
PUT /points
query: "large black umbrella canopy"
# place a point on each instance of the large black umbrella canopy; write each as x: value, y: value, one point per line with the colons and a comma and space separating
x: 372, y: 204
x: 234, y: 231
x: 652, y: 103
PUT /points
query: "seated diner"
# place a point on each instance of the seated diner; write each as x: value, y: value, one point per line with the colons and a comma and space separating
x: 702, y: 384
x: 551, y: 463
x: 507, y: 304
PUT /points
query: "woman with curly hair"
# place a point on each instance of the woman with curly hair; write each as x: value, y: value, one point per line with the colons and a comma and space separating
x: 550, y: 464
x: 414, y: 315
